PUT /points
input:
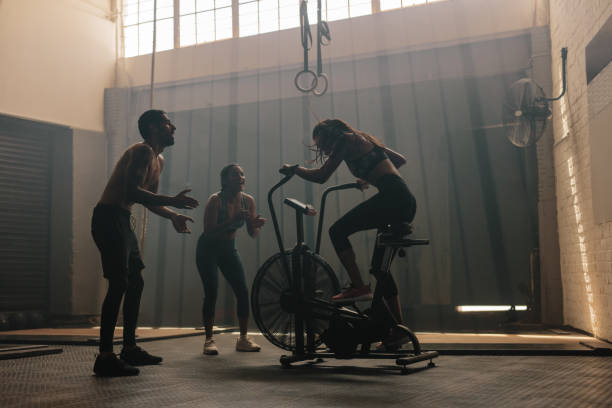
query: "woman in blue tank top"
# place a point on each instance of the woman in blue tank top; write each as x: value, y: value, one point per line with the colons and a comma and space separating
x: 226, y: 211
x: 372, y: 163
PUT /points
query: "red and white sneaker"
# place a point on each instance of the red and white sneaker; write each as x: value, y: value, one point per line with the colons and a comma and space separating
x: 352, y: 294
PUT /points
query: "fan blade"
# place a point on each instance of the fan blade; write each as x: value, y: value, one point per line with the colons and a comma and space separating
x: 496, y: 126
x: 526, y: 95
x: 520, y: 135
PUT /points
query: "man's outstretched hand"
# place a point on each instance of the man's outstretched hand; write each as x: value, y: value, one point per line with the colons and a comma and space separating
x: 182, y: 200
x: 179, y: 221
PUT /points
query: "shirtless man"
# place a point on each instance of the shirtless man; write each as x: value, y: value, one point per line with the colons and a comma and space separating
x: 135, y: 179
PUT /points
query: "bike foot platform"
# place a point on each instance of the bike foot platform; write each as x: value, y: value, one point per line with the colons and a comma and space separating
x: 401, y: 359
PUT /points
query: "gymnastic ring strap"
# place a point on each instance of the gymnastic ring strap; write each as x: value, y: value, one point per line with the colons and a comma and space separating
x: 325, y: 33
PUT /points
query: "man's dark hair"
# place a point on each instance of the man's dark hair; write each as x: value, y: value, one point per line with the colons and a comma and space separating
x: 153, y: 117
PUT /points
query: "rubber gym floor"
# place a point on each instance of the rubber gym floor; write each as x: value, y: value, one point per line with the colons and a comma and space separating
x: 232, y: 379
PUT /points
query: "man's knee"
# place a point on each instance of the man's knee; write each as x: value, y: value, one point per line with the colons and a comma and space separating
x: 117, y: 285
x: 136, y: 282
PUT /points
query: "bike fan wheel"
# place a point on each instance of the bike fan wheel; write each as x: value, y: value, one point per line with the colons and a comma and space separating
x: 276, y: 324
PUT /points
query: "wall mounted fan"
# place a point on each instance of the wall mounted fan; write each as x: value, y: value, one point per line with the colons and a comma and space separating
x: 526, y: 109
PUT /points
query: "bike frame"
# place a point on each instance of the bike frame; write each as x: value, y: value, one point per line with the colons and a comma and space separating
x: 322, y: 209
x: 295, y: 280
x: 279, y: 238
x: 306, y: 309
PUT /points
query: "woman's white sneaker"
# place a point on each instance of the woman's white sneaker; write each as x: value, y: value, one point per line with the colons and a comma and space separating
x: 244, y: 343
x: 210, y: 348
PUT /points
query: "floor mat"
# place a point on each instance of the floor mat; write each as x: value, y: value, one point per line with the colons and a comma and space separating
x: 10, y: 351
x: 534, y: 342
x: 90, y: 335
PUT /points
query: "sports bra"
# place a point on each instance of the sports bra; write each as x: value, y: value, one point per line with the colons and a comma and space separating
x: 364, y: 164
x: 223, y: 213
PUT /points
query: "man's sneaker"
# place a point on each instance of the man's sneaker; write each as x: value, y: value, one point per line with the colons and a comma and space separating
x: 210, y: 347
x: 398, y: 336
x: 138, y: 357
x: 246, y: 344
x: 111, y: 366
x: 353, y: 295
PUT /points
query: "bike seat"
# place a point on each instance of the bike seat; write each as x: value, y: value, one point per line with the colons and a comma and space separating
x: 400, y: 229
x: 396, y: 235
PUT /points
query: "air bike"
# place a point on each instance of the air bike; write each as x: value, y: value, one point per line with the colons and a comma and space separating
x: 292, y: 291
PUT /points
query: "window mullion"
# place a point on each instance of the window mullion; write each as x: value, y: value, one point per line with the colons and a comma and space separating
x: 375, y: 6
x: 177, y: 24
x: 235, y: 20
x: 138, y: 29
x: 258, y: 17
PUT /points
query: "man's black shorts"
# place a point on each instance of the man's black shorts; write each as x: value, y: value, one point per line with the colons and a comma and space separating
x: 113, y: 234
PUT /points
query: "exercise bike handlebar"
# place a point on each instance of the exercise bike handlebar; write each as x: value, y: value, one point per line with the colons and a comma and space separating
x: 288, y: 172
x: 305, y: 209
x: 322, y: 208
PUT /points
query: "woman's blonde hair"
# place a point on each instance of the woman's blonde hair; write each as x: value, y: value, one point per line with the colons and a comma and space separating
x: 332, y: 133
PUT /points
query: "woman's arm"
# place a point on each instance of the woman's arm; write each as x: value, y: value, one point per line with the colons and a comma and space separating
x: 255, y: 221
x: 397, y: 159
x: 323, y: 173
x: 211, y: 213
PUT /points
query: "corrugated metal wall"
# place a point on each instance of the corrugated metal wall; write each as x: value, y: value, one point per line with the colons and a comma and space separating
x: 25, y: 201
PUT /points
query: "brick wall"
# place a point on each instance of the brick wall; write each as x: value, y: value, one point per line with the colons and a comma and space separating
x: 585, y: 246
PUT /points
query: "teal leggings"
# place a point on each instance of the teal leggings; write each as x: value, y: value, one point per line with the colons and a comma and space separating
x: 210, y: 254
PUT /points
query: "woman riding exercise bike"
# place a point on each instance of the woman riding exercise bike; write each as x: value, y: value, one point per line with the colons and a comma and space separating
x: 371, y: 162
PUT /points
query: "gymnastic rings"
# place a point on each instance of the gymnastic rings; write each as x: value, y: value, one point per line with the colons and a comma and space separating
x: 319, y: 92
x: 323, y: 38
x: 313, y: 82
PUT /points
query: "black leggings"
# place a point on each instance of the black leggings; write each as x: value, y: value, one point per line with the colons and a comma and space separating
x: 393, y: 203
x: 223, y: 254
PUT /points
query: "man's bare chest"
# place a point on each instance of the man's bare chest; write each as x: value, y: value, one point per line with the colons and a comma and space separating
x: 153, y: 174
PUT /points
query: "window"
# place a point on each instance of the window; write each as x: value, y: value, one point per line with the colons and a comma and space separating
x: 332, y: 10
x: 263, y: 16
x: 138, y: 26
x: 200, y: 21
x: 394, y: 4
x: 204, y: 21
